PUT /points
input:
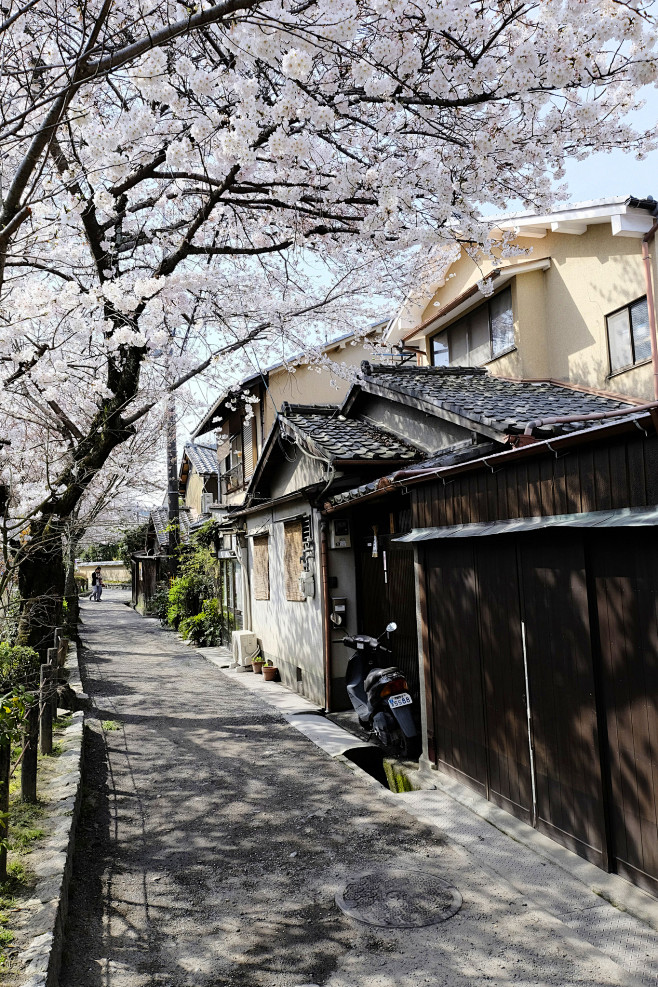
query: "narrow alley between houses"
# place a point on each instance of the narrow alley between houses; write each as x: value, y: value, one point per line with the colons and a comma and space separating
x: 214, y: 839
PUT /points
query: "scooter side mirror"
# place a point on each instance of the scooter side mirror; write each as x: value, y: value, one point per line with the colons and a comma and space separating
x: 391, y: 627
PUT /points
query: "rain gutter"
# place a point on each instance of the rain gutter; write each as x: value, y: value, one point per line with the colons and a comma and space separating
x: 646, y: 257
x: 591, y: 417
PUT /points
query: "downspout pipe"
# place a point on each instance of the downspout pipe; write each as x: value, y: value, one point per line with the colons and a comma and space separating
x: 326, y: 612
x: 646, y: 257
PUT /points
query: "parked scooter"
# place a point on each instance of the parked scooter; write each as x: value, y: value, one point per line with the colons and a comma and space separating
x: 380, y: 694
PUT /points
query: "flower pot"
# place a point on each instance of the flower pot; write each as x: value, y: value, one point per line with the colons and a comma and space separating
x: 270, y: 672
x: 257, y: 667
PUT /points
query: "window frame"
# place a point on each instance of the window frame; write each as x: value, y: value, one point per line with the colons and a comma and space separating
x: 262, y: 537
x: 612, y: 372
x: 446, y: 330
x: 291, y: 579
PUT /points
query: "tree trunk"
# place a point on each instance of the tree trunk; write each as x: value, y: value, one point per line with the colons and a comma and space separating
x: 70, y: 590
x: 5, y: 763
x: 41, y: 588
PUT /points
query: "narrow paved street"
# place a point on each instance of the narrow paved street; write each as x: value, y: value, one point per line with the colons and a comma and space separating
x: 214, y: 838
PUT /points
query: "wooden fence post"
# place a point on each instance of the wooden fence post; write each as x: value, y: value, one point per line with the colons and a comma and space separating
x: 52, y: 661
x: 62, y: 651
x: 29, y: 762
x: 5, y: 764
x: 46, y: 710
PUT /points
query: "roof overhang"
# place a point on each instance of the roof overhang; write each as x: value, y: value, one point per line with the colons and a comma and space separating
x: 626, y: 219
x: 627, y: 517
x: 473, y: 297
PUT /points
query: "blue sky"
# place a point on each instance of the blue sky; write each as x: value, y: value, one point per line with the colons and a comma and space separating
x: 619, y: 173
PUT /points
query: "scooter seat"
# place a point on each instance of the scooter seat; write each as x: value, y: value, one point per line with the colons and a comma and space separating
x: 374, y: 678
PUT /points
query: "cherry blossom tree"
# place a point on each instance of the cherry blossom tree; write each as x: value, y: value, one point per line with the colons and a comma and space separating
x: 181, y: 181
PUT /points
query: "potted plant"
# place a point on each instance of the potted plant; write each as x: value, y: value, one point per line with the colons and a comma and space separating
x: 270, y: 671
x: 257, y: 664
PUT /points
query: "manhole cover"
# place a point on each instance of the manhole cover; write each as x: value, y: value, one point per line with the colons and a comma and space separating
x: 399, y: 899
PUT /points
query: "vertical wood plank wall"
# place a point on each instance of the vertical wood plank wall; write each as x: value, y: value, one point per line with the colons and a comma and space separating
x: 624, y: 473
x: 589, y: 600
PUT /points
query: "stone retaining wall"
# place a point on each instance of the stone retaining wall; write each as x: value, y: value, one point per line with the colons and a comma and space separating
x: 43, y: 917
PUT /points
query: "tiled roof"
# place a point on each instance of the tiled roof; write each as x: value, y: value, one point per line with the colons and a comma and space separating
x: 506, y: 406
x: 345, y: 438
x: 202, y: 456
x: 160, y: 518
x: 447, y: 457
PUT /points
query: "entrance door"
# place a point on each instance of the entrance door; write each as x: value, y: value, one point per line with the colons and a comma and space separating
x: 562, y: 695
x: 625, y: 578
x: 388, y: 592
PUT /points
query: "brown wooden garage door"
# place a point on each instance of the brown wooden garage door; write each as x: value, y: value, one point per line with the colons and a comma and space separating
x: 624, y: 567
x: 487, y: 599
x: 501, y: 650
x: 562, y: 693
x: 477, y: 672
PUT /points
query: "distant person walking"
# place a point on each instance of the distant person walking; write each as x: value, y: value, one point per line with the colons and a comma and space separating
x: 97, y: 585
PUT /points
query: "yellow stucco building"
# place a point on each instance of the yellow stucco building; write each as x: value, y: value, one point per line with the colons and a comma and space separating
x: 572, y: 306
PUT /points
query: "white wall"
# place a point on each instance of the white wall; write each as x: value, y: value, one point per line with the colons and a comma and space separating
x: 289, y: 632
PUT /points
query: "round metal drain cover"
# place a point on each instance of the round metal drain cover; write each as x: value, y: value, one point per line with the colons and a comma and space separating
x: 399, y: 899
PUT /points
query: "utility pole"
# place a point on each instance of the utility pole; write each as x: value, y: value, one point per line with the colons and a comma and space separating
x: 172, y: 484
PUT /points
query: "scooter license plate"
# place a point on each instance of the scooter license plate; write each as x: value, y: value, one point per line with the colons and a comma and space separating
x: 404, y: 699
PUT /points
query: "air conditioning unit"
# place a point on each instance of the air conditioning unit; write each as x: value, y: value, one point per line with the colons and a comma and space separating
x: 245, y: 646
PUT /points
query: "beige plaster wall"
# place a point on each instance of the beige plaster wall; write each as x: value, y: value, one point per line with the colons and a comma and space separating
x: 312, y: 385
x: 115, y: 572
x: 560, y: 313
x: 193, y: 492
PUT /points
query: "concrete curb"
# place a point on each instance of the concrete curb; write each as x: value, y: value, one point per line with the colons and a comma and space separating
x: 48, y: 908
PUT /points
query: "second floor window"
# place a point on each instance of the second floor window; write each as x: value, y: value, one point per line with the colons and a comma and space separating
x: 629, y: 341
x: 476, y: 338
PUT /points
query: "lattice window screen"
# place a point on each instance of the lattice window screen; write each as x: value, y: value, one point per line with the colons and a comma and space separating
x: 247, y: 447
x: 261, y: 568
x: 293, y: 566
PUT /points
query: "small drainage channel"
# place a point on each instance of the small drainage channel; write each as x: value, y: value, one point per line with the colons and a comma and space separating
x: 333, y: 734
x: 370, y: 760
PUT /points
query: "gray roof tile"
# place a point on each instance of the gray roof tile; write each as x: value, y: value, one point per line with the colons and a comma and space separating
x: 203, y: 457
x: 503, y: 405
x: 346, y: 438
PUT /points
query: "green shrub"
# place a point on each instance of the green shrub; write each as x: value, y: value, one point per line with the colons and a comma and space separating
x: 158, y: 605
x: 19, y: 665
x: 205, y: 628
x: 184, y: 599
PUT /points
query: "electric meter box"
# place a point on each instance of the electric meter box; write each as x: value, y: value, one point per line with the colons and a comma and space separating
x: 307, y: 585
x: 339, y: 611
x: 339, y: 533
